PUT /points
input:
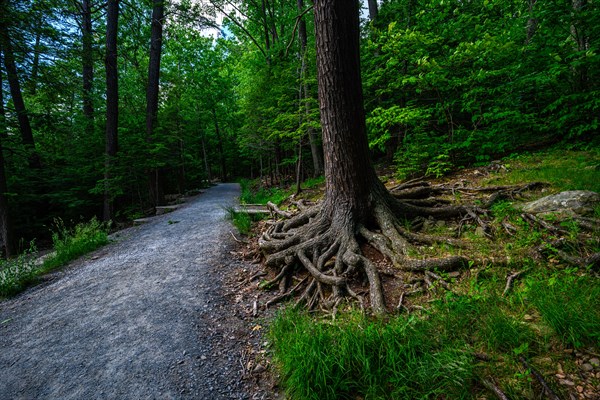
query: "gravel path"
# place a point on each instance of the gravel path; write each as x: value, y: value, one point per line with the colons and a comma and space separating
x: 142, y: 318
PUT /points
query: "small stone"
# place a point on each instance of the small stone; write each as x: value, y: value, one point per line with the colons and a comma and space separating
x: 203, y: 357
x: 580, y: 389
x: 566, y: 382
x: 560, y: 376
x: 587, y: 367
x: 595, y: 362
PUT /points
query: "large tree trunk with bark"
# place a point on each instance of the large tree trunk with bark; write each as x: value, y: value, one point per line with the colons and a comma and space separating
x: 326, y: 240
x: 112, y: 101
x: 158, y: 10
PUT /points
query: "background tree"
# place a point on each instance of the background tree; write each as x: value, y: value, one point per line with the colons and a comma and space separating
x: 112, y: 101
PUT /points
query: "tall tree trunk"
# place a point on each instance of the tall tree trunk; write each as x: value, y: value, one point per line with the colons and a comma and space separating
x: 220, y: 147
x: 5, y: 224
x: 15, y: 90
x: 112, y: 102
x: 349, y: 175
x: 88, y: 67
x: 35, y: 66
x: 156, y: 186
x: 532, y: 22
x: 205, y: 156
x: 373, y: 9
x: 313, y: 139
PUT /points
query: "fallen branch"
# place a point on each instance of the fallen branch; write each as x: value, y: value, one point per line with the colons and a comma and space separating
x: 510, y: 279
x: 238, y: 240
x: 549, y: 393
x: 494, y: 389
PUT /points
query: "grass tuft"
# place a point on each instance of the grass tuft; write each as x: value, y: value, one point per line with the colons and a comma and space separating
x: 72, y: 243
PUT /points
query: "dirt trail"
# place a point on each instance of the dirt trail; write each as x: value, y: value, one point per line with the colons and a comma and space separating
x: 143, y: 318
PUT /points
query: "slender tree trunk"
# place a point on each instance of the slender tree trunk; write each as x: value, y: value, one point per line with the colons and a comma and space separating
x: 220, y: 147
x: 5, y: 224
x: 35, y: 66
x: 313, y: 139
x: 373, y: 9
x: 532, y: 22
x: 112, y: 102
x: 156, y: 186
x: 15, y: 91
x: 88, y: 67
x: 349, y: 174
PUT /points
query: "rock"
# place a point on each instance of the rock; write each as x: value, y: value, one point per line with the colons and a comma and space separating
x: 595, y: 362
x: 587, y: 367
x: 571, y: 202
x: 566, y: 382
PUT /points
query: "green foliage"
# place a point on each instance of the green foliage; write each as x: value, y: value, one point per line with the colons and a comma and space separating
x: 472, y: 81
x: 17, y: 273
x: 71, y: 243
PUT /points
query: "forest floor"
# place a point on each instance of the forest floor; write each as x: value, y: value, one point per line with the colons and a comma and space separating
x: 514, y: 267
x: 147, y: 316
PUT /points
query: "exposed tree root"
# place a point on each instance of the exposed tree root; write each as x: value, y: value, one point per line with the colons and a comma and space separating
x: 326, y: 242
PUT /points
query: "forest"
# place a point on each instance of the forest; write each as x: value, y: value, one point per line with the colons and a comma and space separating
x: 106, y: 108
x: 399, y: 150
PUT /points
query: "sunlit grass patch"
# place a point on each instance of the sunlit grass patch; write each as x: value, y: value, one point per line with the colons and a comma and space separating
x: 563, y: 169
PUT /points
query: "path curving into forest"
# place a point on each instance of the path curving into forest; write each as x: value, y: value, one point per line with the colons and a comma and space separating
x: 142, y: 318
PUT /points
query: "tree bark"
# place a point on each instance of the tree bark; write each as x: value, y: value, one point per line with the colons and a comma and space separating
x: 112, y: 101
x: 15, y: 89
x: 373, y: 9
x: 157, y: 191
x: 349, y: 174
x: 88, y: 66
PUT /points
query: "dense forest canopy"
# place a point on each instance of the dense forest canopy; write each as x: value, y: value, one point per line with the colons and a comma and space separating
x: 446, y: 83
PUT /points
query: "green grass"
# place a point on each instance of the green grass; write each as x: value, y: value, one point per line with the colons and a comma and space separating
x: 71, y: 243
x: 242, y: 220
x: 432, y: 354
x: 254, y: 194
x: 68, y: 243
x: 563, y: 169
x: 570, y: 304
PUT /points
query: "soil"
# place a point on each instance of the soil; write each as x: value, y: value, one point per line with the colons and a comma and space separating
x: 146, y: 317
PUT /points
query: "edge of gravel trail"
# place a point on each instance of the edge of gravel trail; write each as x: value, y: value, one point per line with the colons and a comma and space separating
x: 147, y: 316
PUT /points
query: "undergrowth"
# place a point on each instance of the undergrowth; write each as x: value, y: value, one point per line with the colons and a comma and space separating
x: 437, y: 352
x: 68, y: 244
x: 550, y: 312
